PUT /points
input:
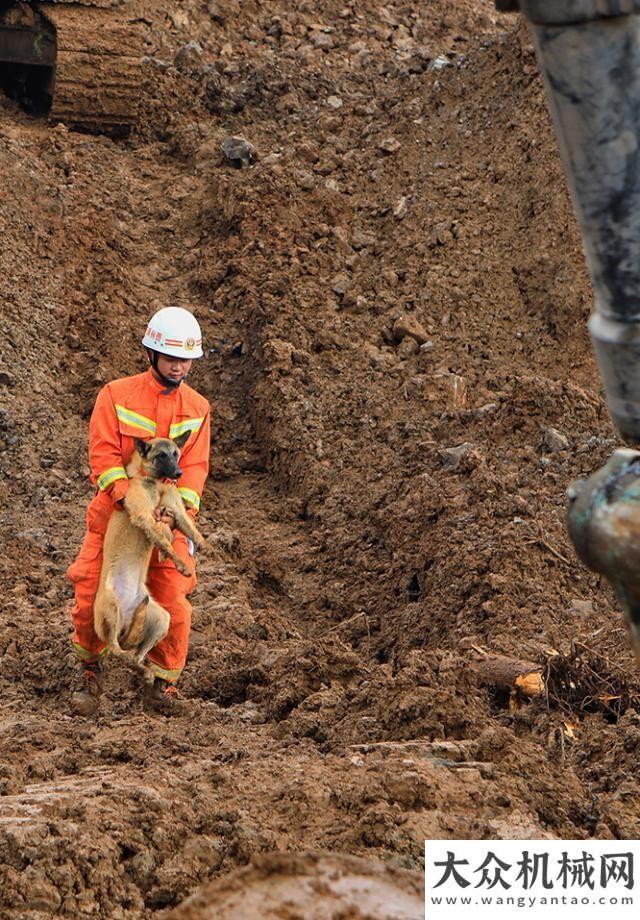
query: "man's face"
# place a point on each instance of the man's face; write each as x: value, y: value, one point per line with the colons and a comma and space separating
x: 174, y: 368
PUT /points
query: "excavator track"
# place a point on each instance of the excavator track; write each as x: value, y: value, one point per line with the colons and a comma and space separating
x: 98, y: 67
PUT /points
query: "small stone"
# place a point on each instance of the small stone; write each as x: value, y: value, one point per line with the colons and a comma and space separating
x: 278, y: 355
x: 443, y: 233
x: 440, y: 63
x: 401, y: 207
x: 389, y: 145
x: 321, y: 40
x: 158, y: 63
x: 305, y: 181
x: 340, y: 284
x: 239, y: 152
x: 452, y: 456
x: 7, y: 379
x: 487, y: 409
x: 188, y: 59
x: 428, y: 346
x: 408, y: 325
x: 555, y: 440
x: 457, y: 388
x: 334, y: 102
x: 180, y: 19
x: 407, y: 347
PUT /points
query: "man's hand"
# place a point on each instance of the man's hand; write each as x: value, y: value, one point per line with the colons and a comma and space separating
x: 163, y: 516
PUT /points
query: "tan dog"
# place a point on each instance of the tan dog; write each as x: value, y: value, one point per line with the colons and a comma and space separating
x: 125, y: 616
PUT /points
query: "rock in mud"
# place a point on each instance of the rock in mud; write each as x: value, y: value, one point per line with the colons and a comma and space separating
x: 389, y: 145
x: 409, y: 326
x: 239, y: 152
x: 188, y: 59
x: 340, y: 284
x: 407, y: 347
x: 555, y: 440
x: 278, y: 355
x: 452, y: 457
x: 305, y: 181
x: 401, y: 208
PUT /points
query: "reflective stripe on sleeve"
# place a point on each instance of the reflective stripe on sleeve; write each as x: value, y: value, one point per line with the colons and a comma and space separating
x: 188, y: 495
x: 189, y: 424
x: 105, y: 479
x: 135, y: 420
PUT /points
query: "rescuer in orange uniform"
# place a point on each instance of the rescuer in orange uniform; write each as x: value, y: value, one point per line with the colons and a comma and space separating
x: 157, y: 403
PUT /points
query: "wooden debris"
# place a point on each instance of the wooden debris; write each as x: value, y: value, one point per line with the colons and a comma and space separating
x: 510, y: 674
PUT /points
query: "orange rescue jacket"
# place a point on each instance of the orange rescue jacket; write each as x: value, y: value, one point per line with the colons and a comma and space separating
x: 141, y: 407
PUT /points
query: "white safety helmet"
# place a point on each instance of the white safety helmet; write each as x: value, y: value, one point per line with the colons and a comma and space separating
x: 175, y: 332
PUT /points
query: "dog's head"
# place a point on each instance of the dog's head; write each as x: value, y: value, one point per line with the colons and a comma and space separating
x: 160, y: 456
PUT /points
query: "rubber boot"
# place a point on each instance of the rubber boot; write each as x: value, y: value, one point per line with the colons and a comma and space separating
x: 87, y: 688
x: 162, y: 696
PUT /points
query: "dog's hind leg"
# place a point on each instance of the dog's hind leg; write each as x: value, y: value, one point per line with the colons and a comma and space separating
x: 107, y: 614
x: 106, y: 617
x: 156, y: 626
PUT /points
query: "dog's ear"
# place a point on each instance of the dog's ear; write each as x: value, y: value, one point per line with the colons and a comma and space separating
x: 143, y: 447
x: 182, y: 439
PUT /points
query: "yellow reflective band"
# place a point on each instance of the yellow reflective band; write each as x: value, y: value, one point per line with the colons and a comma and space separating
x: 89, y: 656
x: 189, y: 424
x: 105, y: 479
x: 190, y: 496
x: 135, y: 420
x: 163, y: 672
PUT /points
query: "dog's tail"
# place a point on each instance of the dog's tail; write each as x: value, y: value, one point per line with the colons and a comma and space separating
x: 135, y: 632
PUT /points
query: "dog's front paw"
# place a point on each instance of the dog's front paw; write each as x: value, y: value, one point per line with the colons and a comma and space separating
x: 165, y: 531
x: 183, y: 568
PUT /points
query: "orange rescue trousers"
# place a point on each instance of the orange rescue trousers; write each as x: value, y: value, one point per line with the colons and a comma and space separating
x: 166, y: 585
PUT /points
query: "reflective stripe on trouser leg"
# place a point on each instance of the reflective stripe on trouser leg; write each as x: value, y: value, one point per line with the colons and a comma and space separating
x: 169, y: 588
x: 85, y: 575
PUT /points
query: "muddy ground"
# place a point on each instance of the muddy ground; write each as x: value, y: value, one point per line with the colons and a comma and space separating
x: 405, y: 174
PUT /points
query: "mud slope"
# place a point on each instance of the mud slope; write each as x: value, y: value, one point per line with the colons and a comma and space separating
x: 396, y: 275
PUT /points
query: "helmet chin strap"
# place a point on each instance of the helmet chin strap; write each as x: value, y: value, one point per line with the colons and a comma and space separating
x: 153, y: 361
